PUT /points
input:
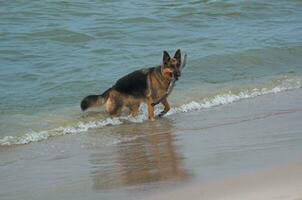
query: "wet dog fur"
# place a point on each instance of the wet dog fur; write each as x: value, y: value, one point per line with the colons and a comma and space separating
x: 144, y: 85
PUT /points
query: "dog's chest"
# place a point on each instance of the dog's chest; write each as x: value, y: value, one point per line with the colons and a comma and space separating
x: 157, y: 88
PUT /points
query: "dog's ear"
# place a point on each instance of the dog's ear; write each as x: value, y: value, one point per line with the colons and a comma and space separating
x: 177, y: 55
x: 166, y: 58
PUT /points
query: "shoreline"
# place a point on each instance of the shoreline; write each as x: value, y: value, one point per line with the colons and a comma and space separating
x: 82, y: 123
x: 241, y: 148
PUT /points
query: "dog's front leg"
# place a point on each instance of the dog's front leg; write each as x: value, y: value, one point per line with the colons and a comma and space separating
x: 150, y: 108
x: 166, y: 107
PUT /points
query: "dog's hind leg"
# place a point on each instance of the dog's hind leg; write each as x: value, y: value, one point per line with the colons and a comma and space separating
x: 114, y: 105
x: 166, y: 107
x: 134, y: 109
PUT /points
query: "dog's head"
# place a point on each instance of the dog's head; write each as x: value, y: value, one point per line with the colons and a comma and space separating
x: 171, y: 66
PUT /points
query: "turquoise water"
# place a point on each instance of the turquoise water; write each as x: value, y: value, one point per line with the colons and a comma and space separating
x: 53, y: 53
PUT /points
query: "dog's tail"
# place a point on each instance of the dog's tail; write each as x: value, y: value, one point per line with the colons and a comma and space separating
x: 95, y: 100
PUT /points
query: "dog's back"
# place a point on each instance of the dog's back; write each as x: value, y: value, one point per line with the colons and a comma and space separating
x: 134, y: 84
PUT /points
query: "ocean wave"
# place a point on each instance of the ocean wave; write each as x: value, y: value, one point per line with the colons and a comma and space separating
x: 61, y: 35
x: 216, y: 100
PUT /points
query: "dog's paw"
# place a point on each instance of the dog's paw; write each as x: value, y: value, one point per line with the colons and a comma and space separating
x: 152, y: 119
x: 162, y: 113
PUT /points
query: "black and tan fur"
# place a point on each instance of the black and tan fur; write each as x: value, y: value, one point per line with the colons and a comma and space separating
x: 144, y: 85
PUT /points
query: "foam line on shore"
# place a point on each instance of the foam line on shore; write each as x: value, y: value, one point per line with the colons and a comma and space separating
x: 216, y: 100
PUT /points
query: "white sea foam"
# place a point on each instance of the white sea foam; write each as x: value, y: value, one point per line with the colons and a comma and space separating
x: 24, y: 139
x: 216, y: 100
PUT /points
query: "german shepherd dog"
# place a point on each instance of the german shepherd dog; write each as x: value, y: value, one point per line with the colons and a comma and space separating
x: 144, y: 85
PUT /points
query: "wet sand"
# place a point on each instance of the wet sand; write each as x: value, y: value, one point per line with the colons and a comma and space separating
x: 245, y: 148
x: 276, y: 183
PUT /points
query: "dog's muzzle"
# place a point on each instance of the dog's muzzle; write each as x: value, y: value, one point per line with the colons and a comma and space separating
x: 176, y: 74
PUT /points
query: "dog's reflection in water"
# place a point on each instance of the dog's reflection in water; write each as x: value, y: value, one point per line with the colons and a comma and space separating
x: 151, y: 156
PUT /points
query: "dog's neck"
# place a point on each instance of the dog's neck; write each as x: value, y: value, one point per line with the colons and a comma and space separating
x: 160, y: 77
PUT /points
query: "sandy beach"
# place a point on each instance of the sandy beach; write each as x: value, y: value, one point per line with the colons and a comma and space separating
x: 283, y: 182
x: 250, y: 149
